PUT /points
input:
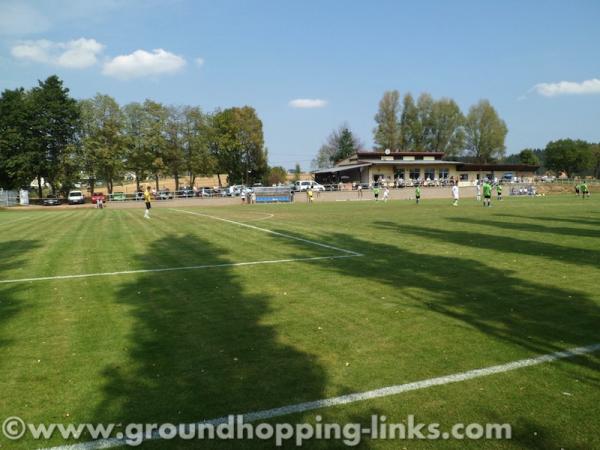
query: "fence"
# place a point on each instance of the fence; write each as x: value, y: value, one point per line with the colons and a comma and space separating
x: 8, y: 198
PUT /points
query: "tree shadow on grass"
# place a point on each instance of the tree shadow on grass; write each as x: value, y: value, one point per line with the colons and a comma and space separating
x: 198, y: 350
x: 531, y: 227
x: 505, y: 308
x: 526, y: 314
x: 504, y: 244
x: 586, y: 221
x: 12, y: 254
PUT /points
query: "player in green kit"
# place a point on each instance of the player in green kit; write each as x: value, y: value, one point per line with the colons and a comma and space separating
x: 376, y: 192
x: 585, y: 192
x: 499, y: 191
x: 487, y: 193
x: 418, y: 194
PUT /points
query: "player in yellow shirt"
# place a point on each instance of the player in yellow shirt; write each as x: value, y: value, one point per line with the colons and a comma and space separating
x: 309, y: 194
x: 148, y: 201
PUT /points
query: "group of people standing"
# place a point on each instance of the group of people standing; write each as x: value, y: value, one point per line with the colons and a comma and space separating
x: 486, y: 186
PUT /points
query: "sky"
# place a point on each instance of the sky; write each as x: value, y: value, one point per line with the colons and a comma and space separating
x: 309, y: 66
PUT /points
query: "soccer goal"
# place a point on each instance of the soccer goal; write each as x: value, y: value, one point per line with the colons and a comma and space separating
x: 281, y: 194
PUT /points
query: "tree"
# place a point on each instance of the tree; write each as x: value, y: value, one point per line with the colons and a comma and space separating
x: 347, y: 145
x: 569, y: 156
x: 410, y: 128
x: 485, y: 133
x: 527, y: 156
x: 297, y: 172
x: 55, y: 127
x: 446, y: 133
x: 237, y: 142
x: 324, y: 158
x: 173, y: 155
x: 423, y: 128
x: 387, y: 133
x: 153, y: 132
x: 16, y: 152
x: 196, y: 135
x: 340, y: 144
x: 596, y: 160
x: 277, y: 175
x: 137, y: 150
x: 103, y: 143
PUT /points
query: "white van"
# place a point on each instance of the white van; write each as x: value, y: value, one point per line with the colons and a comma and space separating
x: 300, y: 186
x: 76, y: 197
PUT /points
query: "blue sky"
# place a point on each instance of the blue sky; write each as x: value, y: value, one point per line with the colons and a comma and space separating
x: 538, y: 62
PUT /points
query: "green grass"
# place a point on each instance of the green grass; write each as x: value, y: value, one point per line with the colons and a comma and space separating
x: 439, y: 290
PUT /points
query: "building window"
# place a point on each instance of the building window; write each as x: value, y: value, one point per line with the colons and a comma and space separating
x: 430, y: 173
x: 443, y: 174
x: 464, y: 177
x: 415, y: 173
x: 399, y: 173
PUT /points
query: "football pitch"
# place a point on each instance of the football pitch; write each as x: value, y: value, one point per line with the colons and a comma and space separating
x: 199, y: 313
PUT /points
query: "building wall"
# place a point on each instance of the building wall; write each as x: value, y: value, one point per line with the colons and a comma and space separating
x: 367, y: 174
x: 388, y: 171
x: 464, y: 175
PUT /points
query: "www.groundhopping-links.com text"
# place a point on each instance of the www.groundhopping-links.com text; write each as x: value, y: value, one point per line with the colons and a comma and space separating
x: 234, y: 427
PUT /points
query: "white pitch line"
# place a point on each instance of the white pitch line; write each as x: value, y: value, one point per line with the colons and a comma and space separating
x: 276, y: 233
x: 172, y: 269
x: 267, y: 216
x: 267, y: 414
x: 347, y: 254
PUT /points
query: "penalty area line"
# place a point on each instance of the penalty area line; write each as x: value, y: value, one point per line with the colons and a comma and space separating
x: 267, y: 414
x: 276, y: 233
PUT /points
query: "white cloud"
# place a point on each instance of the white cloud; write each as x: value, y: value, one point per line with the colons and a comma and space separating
x: 75, y: 54
x: 80, y: 53
x: 307, y: 103
x: 37, y: 51
x: 144, y: 64
x: 568, y: 87
x: 199, y: 62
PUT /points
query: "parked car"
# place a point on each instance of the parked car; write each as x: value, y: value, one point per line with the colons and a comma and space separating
x: 97, y: 196
x: 51, y: 200
x: 139, y: 195
x: 118, y: 197
x: 205, y: 192
x: 304, y: 185
x: 164, y: 194
x: 76, y: 198
x: 185, y: 192
x: 235, y: 190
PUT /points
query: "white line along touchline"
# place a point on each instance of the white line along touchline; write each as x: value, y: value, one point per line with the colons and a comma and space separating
x: 346, y: 254
x: 267, y: 414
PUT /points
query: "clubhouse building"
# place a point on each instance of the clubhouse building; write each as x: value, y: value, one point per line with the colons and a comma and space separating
x: 424, y: 167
